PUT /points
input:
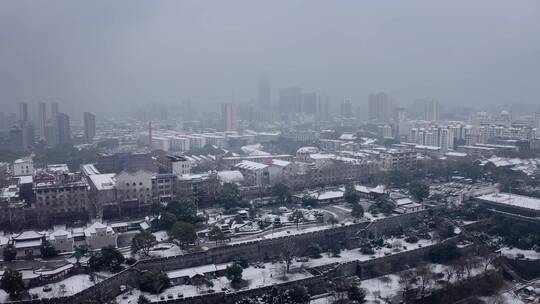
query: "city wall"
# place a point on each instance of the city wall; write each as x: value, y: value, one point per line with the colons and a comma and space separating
x: 253, y: 251
x: 271, y: 248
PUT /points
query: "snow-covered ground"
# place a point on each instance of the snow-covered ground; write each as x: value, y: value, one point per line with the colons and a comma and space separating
x: 4, y: 297
x: 382, y: 287
x: 388, y: 286
x: 515, y: 253
x: 165, y: 250
x: 69, y: 286
x: 255, y: 277
x: 161, y: 235
x: 506, y: 298
x: 356, y: 255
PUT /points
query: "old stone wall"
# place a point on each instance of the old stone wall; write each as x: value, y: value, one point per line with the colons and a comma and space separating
x: 253, y: 251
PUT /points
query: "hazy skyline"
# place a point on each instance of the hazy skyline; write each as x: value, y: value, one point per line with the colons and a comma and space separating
x: 105, y: 55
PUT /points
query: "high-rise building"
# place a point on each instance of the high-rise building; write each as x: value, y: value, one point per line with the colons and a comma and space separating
x: 346, y: 109
x: 323, y: 108
x: 228, y: 117
x: 187, y: 111
x: 21, y: 138
x: 436, y: 136
x: 309, y: 103
x: 290, y: 100
x: 384, y: 131
x: 431, y: 110
x: 51, y: 132
x: 89, y: 126
x: 264, y: 93
x: 537, y: 118
x: 64, y: 128
x: 399, y: 114
x: 23, y: 112
x: 42, y: 120
x: 379, y: 107
x: 16, y: 138
x: 54, y: 110
x: 7, y: 120
x: 3, y: 122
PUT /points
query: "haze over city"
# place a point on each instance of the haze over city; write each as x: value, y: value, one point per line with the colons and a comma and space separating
x: 269, y: 152
x: 103, y: 56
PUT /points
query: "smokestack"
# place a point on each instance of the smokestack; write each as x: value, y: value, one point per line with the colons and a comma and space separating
x: 150, y: 135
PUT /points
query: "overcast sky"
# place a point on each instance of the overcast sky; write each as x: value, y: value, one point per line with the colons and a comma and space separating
x: 96, y: 55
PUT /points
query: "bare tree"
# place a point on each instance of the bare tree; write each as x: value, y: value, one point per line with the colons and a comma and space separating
x: 487, y: 258
x: 340, y: 287
x: 426, y: 280
x: 470, y: 264
x: 288, y: 253
x: 406, y: 281
x: 449, y: 273
x: 459, y: 269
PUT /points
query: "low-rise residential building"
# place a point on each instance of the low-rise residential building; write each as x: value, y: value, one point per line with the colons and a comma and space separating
x: 134, y: 190
x: 227, y: 163
x: 67, y: 197
x: 398, y: 160
x: 163, y: 187
x: 260, y: 174
x: 23, y: 166
x: 174, y: 164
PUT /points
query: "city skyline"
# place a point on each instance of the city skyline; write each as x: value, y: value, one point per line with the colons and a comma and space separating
x: 413, y: 51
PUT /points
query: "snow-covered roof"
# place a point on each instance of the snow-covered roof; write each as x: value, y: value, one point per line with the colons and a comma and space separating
x: 49, y: 272
x: 96, y: 226
x: 27, y: 244
x: 347, y: 136
x: 8, y: 192
x: 230, y: 176
x: 25, y: 179
x: 58, y: 168
x: 22, y: 161
x: 249, y: 165
x: 308, y: 150
x: 404, y: 201
x: 255, y: 149
x: 332, y: 194
x: 28, y: 235
x: 191, y: 272
x: 3, y: 240
x: 103, y: 181
x: 456, y: 154
x: 513, y: 200
x: 280, y: 163
x: 60, y: 233
x: 379, y: 189
x: 90, y: 169
x: 322, y: 156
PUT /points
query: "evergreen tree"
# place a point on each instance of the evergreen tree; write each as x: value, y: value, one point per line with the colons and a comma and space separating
x: 143, y: 242
x: 12, y: 283
x: 234, y: 273
x: 184, y: 232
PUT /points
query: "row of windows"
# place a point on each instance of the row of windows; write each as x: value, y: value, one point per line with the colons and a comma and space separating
x: 56, y: 203
x: 68, y: 190
x: 62, y: 196
x: 55, y: 211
